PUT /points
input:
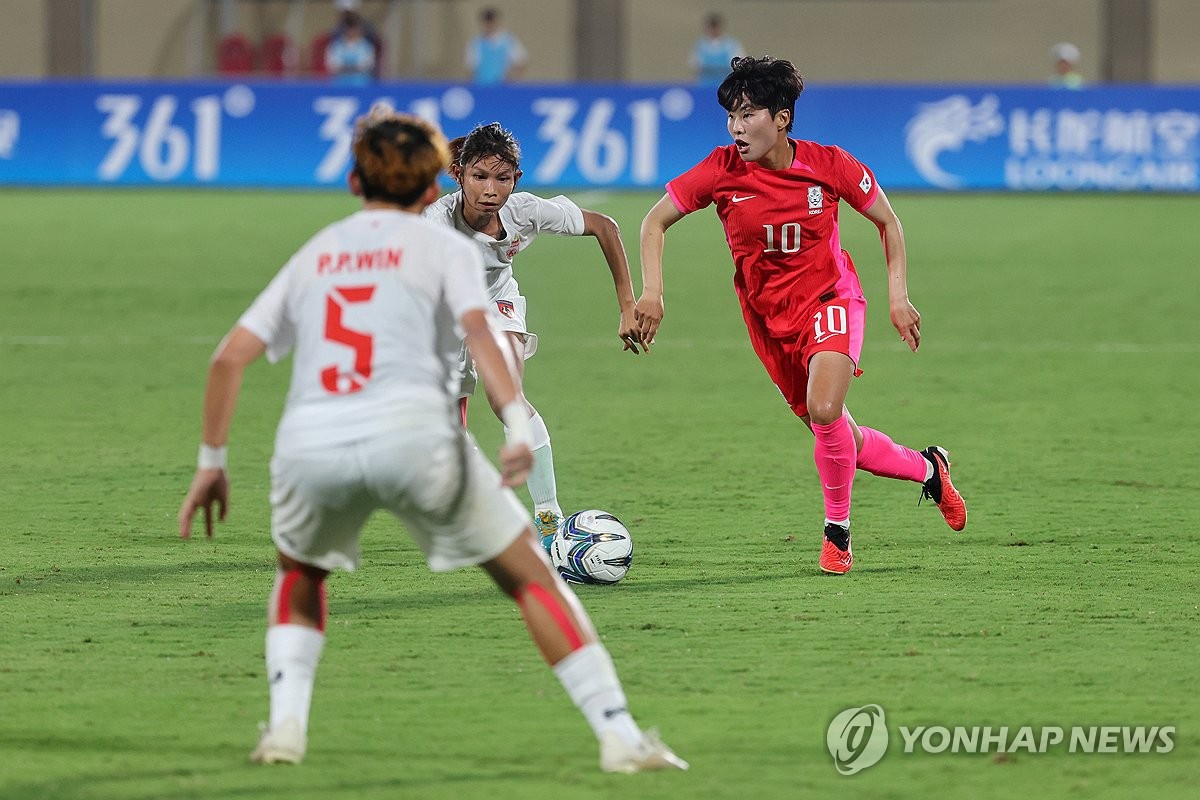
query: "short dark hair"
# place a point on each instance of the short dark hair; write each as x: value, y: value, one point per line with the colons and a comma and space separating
x: 397, y: 156
x: 489, y: 15
x: 770, y: 83
x: 485, y: 141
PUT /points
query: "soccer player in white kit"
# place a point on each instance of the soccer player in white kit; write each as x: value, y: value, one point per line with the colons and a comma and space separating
x: 503, y: 222
x: 375, y: 307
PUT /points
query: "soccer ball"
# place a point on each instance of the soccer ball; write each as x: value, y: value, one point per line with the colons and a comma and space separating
x: 592, y: 547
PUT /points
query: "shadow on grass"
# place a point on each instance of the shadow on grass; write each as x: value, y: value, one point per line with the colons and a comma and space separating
x: 194, y: 775
x: 132, y: 573
x: 156, y: 785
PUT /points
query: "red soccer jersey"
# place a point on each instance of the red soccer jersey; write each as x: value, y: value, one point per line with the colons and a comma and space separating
x: 781, y: 225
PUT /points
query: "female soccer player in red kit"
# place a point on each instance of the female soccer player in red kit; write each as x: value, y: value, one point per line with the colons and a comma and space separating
x: 777, y: 198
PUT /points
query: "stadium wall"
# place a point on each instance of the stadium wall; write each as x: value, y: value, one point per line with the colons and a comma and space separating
x: 297, y: 134
x: 833, y: 41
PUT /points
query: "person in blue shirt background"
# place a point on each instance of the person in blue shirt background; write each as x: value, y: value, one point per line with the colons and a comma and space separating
x: 350, y: 57
x: 495, y: 55
x: 713, y: 52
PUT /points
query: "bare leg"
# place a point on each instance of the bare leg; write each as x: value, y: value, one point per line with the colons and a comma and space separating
x: 553, y: 614
x: 564, y: 634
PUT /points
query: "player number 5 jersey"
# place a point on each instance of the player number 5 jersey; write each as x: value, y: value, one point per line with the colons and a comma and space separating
x: 370, y: 305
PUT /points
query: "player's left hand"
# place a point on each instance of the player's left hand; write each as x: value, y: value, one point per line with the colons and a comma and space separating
x: 209, y: 487
x: 907, y: 321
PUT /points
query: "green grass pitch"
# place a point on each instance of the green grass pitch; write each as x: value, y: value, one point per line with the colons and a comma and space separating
x: 1060, y: 366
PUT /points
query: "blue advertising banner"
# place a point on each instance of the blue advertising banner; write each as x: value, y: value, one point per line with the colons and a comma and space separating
x: 297, y: 134
x: 1107, y: 139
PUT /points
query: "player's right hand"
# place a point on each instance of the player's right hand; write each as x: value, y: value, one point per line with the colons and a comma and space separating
x: 648, y: 314
x: 515, y: 462
x: 210, y: 486
x: 907, y: 322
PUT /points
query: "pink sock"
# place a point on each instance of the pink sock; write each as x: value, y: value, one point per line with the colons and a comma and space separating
x: 834, y: 454
x: 881, y: 456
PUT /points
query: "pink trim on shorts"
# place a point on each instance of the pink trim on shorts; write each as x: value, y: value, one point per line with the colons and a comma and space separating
x: 857, y: 311
x: 856, y: 318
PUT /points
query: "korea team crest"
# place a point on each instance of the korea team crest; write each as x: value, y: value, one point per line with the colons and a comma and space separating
x: 815, y: 199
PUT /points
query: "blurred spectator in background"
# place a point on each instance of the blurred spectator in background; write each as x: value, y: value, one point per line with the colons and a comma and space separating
x: 713, y: 52
x: 1066, y: 66
x: 495, y: 55
x: 350, y: 13
x: 350, y: 57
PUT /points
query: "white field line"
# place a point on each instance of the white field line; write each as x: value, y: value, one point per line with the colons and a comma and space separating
x: 666, y: 343
x: 1134, y: 348
x: 104, y: 340
x: 593, y: 197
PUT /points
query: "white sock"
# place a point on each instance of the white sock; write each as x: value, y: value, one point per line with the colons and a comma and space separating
x: 541, y: 484
x: 591, y: 681
x: 292, y: 655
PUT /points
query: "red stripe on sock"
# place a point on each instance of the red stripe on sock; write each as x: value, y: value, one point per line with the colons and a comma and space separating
x: 283, y: 611
x: 462, y: 410
x: 324, y: 607
x: 557, y: 612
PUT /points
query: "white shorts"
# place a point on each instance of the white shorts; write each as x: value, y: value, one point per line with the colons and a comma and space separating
x: 434, y: 479
x: 506, y: 313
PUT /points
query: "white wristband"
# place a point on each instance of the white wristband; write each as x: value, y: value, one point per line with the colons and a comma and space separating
x: 517, y: 429
x: 212, y: 457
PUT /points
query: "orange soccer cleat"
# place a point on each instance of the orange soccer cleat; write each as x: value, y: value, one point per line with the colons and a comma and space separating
x: 940, y: 490
x: 836, y: 557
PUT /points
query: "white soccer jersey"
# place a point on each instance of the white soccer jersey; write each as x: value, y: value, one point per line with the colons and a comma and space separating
x: 371, y: 305
x: 523, y: 217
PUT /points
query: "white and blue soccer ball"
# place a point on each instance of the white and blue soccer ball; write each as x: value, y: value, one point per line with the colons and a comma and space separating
x: 592, y: 547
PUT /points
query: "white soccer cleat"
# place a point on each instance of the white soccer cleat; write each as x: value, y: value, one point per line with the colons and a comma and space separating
x: 649, y: 754
x: 282, y: 745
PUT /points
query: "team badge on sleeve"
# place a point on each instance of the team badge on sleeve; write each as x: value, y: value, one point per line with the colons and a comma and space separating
x: 505, y: 307
x: 865, y: 183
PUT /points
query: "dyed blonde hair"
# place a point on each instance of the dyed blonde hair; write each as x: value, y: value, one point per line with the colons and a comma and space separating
x: 397, y: 156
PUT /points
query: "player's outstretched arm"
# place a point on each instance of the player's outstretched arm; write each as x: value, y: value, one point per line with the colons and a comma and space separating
x: 649, y: 310
x: 608, y: 235
x: 500, y: 377
x: 905, y: 317
x: 210, y: 486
